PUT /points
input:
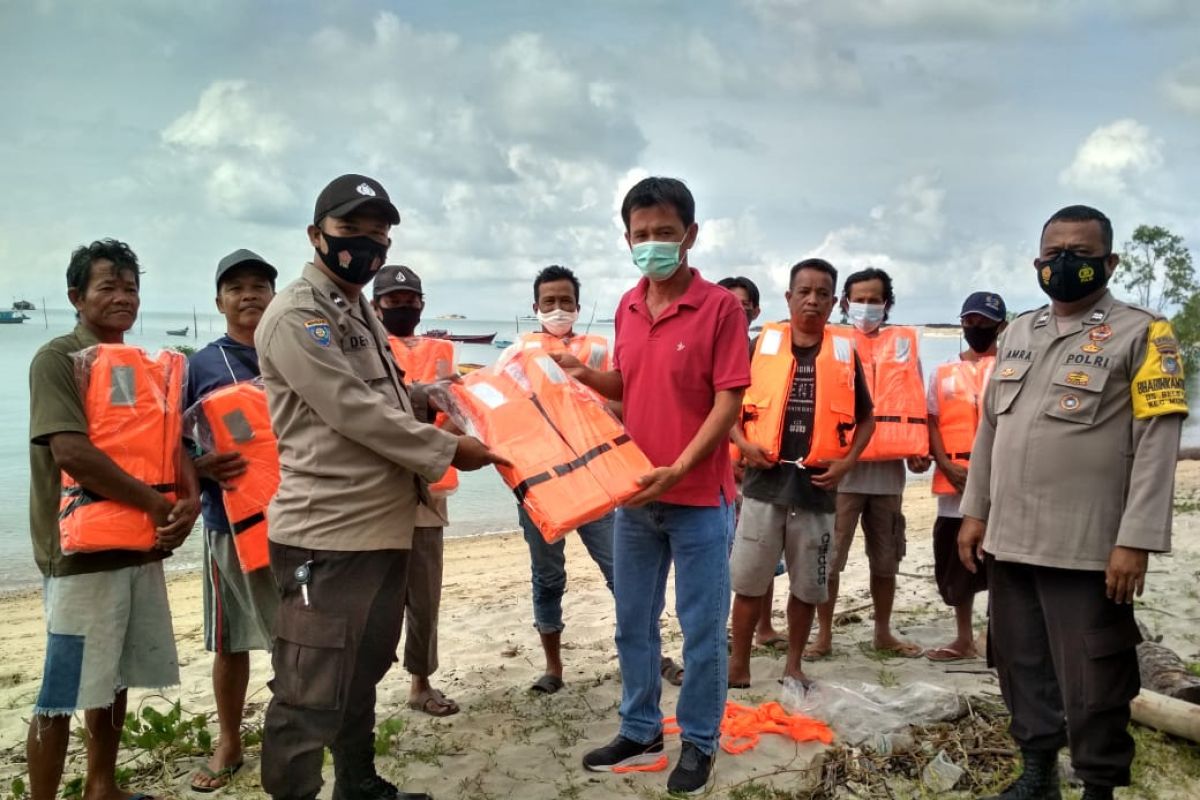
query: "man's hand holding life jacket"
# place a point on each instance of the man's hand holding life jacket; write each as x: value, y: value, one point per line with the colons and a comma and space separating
x: 655, y: 484
x: 833, y: 474
x: 174, y: 523
x: 919, y: 464
x: 221, y: 467
x: 755, y: 455
x: 473, y: 454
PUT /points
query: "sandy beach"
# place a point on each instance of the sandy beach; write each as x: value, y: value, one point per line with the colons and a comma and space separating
x: 507, y: 743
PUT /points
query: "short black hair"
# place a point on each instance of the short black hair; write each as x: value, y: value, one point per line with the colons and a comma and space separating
x: 743, y: 283
x: 871, y: 274
x: 79, y: 270
x: 819, y: 264
x: 1084, y: 214
x: 649, y: 192
x: 554, y: 272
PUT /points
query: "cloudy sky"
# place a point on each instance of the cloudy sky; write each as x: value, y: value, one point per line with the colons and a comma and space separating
x: 928, y: 137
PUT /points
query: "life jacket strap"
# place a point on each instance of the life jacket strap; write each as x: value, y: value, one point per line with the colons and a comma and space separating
x: 959, y: 456
x: 247, y: 523
x: 559, y: 470
x: 909, y: 420
x: 83, y: 497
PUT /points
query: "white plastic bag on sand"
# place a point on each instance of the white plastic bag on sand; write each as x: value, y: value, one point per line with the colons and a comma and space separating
x: 941, y: 774
x: 865, y: 712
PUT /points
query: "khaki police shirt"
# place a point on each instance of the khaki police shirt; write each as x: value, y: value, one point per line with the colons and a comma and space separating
x: 352, y: 457
x: 1076, y: 450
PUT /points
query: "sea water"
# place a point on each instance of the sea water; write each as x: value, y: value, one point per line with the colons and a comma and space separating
x: 482, y: 503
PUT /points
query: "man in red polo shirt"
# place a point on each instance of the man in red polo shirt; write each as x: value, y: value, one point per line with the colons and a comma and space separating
x: 680, y: 366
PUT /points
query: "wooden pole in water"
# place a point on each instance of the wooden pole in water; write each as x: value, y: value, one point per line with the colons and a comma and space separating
x: 45, y: 317
x: 195, y: 325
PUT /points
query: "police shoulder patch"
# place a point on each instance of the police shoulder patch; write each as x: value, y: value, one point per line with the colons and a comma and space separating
x: 1158, y: 384
x: 318, y: 329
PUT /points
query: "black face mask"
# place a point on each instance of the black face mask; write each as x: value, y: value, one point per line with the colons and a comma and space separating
x: 981, y: 339
x: 401, y: 321
x: 1069, y: 277
x: 354, y: 259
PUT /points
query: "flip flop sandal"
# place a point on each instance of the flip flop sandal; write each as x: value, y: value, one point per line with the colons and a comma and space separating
x: 671, y: 672
x: 947, y: 654
x: 224, y: 773
x: 547, y: 684
x: 434, y: 703
x: 777, y: 643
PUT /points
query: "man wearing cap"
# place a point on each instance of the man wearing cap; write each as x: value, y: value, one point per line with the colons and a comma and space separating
x: 239, y: 607
x: 954, y: 399
x: 354, y: 465
x: 1070, y: 489
x: 398, y: 300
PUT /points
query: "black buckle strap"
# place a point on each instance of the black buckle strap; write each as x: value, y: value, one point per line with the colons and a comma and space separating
x: 84, y: 497
x: 248, y: 522
x: 959, y: 456
x: 909, y: 420
x: 559, y: 470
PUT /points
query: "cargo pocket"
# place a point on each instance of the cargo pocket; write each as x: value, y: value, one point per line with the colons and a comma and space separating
x: 1111, y: 678
x: 308, y: 657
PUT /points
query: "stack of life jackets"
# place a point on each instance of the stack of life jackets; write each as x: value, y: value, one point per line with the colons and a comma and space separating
x: 235, y: 418
x: 959, y: 386
x: 134, y: 408
x: 572, y: 460
x: 590, y: 349
x: 764, y: 404
x: 891, y: 364
x: 425, y: 360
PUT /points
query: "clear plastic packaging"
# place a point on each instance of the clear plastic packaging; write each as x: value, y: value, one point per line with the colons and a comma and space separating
x: 870, y: 715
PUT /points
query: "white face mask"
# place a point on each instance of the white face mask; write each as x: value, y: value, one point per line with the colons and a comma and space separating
x: 865, y: 316
x: 557, y: 322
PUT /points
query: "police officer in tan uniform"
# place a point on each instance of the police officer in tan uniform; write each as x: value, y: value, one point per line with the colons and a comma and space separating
x: 1070, y: 490
x: 354, y: 466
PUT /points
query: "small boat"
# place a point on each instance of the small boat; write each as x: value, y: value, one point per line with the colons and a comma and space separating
x: 11, y: 318
x: 503, y: 343
x: 24, y: 305
x: 465, y: 338
x: 465, y: 369
x: 179, y: 331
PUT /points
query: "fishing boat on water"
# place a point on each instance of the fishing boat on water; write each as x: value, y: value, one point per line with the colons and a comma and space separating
x: 23, y: 305
x: 466, y: 369
x: 465, y: 338
x: 11, y: 318
x: 179, y: 331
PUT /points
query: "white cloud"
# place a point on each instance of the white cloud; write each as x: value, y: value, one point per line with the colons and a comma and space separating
x: 229, y: 115
x: 1181, y: 86
x: 959, y: 16
x: 1112, y: 157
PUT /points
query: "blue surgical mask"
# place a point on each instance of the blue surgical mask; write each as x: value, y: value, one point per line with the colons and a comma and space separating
x: 865, y: 316
x: 658, y: 261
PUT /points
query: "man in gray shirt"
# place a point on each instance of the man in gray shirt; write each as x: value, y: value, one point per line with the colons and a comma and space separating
x: 1070, y: 489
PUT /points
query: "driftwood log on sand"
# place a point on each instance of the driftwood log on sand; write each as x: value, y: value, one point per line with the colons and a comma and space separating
x: 1189, y: 454
x: 1176, y: 717
x: 1170, y: 694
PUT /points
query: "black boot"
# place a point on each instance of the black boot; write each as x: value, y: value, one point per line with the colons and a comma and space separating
x: 1094, y: 792
x: 1038, y: 781
x: 355, y: 777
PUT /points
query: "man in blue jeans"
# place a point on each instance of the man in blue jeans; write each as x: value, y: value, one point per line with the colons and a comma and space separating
x: 556, y: 303
x: 680, y: 365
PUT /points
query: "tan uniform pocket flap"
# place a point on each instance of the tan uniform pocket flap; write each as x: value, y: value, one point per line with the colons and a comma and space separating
x: 1009, y: 377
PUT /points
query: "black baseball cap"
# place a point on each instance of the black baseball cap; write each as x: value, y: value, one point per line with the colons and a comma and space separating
x: 985, y: 304
x: 396, y: 278
x: 243, y: 257
x: 349, y: 192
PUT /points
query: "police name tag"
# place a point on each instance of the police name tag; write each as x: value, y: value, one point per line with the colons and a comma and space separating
x: 771, y: 340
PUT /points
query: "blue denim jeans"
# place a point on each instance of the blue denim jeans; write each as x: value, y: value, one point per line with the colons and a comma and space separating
x: 647, y: 540
x: 548, y: 566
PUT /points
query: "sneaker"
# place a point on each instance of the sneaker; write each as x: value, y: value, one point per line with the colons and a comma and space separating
x: 690, y: 775
x: 622, y: 752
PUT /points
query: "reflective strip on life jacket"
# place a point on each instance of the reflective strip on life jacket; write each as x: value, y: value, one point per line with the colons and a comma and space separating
x: 764, y: 405
x: 891, y: 363
x: 426, y: 360
x: 959, y: 388
x: 134, y: 410
x: 590, y: 349
x: 238, y: 420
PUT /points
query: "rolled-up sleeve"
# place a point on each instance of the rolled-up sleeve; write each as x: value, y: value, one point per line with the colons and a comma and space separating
x: 322, y: 377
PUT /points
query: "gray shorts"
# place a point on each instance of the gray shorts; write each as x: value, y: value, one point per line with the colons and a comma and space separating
x: 105, y: 632
x: 239, y: 607
x: 764, y: 532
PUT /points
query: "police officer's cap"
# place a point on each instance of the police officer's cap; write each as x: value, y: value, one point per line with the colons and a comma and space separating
x: 241, y: 258
x: 349, y: 192
x: 396, y: 278
x: 985, y: 304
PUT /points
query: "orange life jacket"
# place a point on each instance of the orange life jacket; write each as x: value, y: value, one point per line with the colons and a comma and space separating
x: 591, y: 349
x: 764, y: 404
x: 891, y: 363
x: 572, y: 461
x: 959, y: 388
x: 237, y: 419
x: 134, y: 408
x: 425, y: 360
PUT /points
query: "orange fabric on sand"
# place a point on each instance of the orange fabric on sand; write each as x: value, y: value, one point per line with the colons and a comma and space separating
x: 742, y: 726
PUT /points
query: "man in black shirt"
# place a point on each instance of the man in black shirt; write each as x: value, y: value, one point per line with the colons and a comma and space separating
x: 789, y: 489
